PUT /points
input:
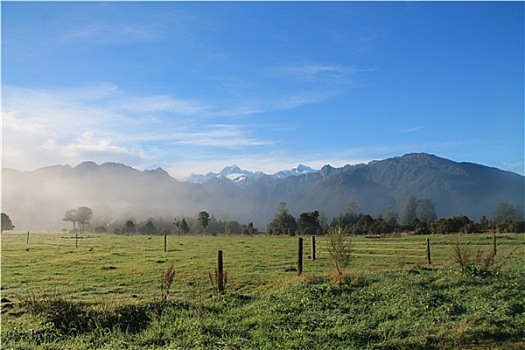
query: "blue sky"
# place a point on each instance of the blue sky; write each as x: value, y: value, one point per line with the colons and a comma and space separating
x: 193, y: 87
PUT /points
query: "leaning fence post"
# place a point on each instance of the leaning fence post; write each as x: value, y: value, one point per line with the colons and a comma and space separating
x: 495, y: 245
x: 220, y: 272
x: 313, y: 248
x: 428, y: 251
x: 300, y: 257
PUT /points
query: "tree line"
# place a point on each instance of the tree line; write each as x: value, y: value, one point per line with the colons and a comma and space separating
x: 203, y: 223
x: 418, y: 216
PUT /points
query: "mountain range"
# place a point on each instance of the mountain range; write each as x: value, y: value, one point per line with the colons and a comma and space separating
x: 236, y: 174
x: 37, y: 200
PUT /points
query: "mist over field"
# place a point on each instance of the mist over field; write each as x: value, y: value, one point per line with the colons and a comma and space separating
x: 37, y: 200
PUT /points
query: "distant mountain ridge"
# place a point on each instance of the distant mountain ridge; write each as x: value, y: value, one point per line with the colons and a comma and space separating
x: 236, y: 174
x: 38, y: 199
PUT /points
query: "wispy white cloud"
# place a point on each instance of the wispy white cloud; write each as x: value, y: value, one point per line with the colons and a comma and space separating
x: 220, y: 135
x: 413, y: 129
x: 319, y: 69
x: 163, y: 103
x: 321, y: 72
x: 87, y: 143
x: 106, y: 33
x: 102, y: 123
x: 299, y: 99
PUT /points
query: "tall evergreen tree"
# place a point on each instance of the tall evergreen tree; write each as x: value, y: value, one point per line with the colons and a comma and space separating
x: 129, y: 227
x: 204, y: 219
x: 283, y: 222
x: 184, y: 226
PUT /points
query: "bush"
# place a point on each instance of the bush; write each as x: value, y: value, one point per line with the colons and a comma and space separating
x: 482, y: 265
x: 339, y: 251
x: 101, y: 229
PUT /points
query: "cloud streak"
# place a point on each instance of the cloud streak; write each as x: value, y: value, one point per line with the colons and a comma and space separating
x: 100, y: 122
x: 328, y: 73
x: 319, y: 70
x: 81, y: 30
x: 412, y: 129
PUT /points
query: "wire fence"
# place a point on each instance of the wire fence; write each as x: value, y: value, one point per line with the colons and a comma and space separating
x: 425, y: 249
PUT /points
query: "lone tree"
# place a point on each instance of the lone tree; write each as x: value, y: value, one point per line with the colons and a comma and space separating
x: 7, y: 224
x: 71, y: 215
x: 204, y: 219
x: 84, y: 215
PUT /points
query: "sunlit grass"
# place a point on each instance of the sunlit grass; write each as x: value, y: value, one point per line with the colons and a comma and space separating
x: 130, y: 265
x: 392, y: 297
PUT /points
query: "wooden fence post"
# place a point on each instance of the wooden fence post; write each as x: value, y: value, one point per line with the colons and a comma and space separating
x: 220, y: 273
x: 495, y: 245
x: 300, y: 257
x: 27, y: 239
x: 428, y: 252
x: 165, y: 242
x: 76, y: 239
x: 313, y: 247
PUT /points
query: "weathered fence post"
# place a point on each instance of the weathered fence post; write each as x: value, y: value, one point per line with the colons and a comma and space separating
x: 428, y: 251
x: 27, y: 240
x: 495, y: 245
x: 220, y: 273
x: 165, y: 242
x: 313, y: 247
x: 300, y: 257
x: 76, y: 239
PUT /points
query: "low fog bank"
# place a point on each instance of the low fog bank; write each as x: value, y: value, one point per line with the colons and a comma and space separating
x: 37, y: 201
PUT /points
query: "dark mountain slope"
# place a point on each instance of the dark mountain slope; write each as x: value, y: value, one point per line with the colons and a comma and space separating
x: 466, y: 188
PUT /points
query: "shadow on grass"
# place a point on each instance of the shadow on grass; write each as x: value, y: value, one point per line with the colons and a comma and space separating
x: 75, y: 317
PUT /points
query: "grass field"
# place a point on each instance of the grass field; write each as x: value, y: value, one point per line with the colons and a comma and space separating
x: 105, y: 294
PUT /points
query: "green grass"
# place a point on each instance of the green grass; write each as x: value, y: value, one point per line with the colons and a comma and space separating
x: 105, y: 294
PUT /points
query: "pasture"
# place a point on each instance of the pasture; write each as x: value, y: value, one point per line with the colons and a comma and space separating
x: 106, y: 293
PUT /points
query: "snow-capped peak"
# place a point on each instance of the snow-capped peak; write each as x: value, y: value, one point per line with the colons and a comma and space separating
x: 237, y: 175
x: 231, y: 169
x: 298, y: 170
